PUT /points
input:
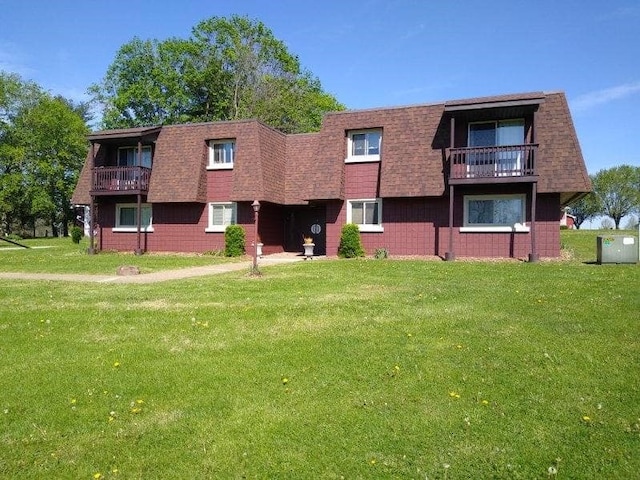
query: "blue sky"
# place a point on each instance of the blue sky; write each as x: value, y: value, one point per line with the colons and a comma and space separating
x: 375, y: 53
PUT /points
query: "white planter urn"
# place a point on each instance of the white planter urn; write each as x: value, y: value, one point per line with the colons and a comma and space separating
x: 308, y: 249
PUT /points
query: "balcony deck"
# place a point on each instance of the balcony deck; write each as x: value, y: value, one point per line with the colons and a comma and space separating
x: 496, y: 164
x: 120, y: 180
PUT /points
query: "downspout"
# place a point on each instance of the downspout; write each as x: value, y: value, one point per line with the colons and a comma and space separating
x: 450, y: 254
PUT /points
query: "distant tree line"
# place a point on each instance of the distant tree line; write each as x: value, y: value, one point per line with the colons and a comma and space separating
x: 616, y: 194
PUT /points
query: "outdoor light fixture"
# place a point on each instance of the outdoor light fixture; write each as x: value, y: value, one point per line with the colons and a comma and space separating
x: 256, y: 208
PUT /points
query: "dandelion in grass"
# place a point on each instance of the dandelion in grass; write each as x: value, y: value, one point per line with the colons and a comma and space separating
x: 454, y: 394
x: 97, y: 475
x: 485, y: 402
x: 116, y: 364
x: 586, y: 419
x: 285, y: 380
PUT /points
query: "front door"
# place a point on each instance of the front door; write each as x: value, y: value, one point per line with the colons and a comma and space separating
x: 308, y: 221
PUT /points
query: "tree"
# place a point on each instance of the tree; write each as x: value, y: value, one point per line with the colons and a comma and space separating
x: 616, y: 191
x: 53, y: 138
x: 584, y: 209
x: 42, y: 148
x: 228, y: 69
x: 16, y: 96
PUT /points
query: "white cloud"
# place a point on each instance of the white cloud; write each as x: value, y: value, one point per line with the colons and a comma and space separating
x: 599, y: 97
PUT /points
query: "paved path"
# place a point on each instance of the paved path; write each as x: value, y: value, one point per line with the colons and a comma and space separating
x: 162, y: 276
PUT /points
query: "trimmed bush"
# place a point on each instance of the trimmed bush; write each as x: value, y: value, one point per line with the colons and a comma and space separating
x: 76, y: 234
x: 234, y: 241
x: 350, y: 242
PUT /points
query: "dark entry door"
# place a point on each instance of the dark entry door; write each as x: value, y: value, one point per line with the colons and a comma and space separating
x: 306, y: 222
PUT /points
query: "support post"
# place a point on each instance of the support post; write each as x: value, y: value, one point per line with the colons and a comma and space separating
x: 450, y: 254
x: 138, y: 250
x: 92, y: 207
x: 533, y: 256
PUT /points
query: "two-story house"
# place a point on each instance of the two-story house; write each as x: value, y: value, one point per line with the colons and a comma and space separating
x: 484, y: 177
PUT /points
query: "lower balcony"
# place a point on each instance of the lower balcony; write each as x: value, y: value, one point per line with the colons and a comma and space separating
x: 496, y: 164
x: 120, y: 180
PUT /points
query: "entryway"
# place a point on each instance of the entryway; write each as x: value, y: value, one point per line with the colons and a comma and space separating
x: 305, y: 221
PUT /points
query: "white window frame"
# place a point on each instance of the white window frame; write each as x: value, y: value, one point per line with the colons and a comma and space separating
x: 227, y: 165
x: 351, y: 158
x: 217, y: 228
x: 133, y: 228
x: 518, y: 227
x: 366, y: 227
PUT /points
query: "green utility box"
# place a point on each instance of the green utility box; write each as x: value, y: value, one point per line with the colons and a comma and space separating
x: 617, y: 249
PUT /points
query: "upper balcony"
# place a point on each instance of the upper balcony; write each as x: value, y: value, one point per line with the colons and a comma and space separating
x: 120, y: 180
x: 494, y: 164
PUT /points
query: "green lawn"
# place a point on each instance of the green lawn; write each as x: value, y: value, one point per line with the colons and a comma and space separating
x: 327, y: 369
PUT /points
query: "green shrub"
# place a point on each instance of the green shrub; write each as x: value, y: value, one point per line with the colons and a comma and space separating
x: 76, y: 234
x: 350, y: 242
x: 234, y: 241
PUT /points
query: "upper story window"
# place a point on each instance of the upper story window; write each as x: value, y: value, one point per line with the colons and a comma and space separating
x: 496, y: 133
x: 221, y: 154
x: 364, y: 145
x: 128, y: 157
x: 366, y: 213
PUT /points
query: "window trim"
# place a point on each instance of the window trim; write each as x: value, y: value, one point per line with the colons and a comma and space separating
x: 134, y: 228
x: 211, y: 228
x: 366, y: 227
x: 488, y: 228
x: 362, y: 158
x: 220, y: 166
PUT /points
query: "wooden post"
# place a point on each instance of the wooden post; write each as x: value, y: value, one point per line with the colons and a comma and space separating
x: 138, y: 250
x: 92, y: 250
x: 533, y: 256
x: 450, y: 254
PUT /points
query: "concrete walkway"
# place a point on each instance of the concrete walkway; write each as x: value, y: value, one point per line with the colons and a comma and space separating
x: 154, y: 277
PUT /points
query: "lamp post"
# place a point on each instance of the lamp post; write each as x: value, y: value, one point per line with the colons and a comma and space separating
x: 256, y: 208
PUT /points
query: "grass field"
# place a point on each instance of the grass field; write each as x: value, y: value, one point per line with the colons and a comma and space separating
x: 329, y: 369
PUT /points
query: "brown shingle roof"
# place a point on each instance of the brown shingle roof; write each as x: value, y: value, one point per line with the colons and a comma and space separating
x: 292, y: 169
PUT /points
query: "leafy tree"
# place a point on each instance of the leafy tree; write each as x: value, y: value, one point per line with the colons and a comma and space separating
x: 16, y: 96
x: 42, y: 148
x: 229, y: 69
x: 616, y: 191
x: 584, y: 209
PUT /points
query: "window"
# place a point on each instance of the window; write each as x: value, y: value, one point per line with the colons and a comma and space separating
x: 221, y: 154
x: 221, y: 215
x: 127, y: 218
x: 364, y: 146
x: 367, y: 214
x: 501, y: 133
x: 128, y: 156
x: 494, y: 213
